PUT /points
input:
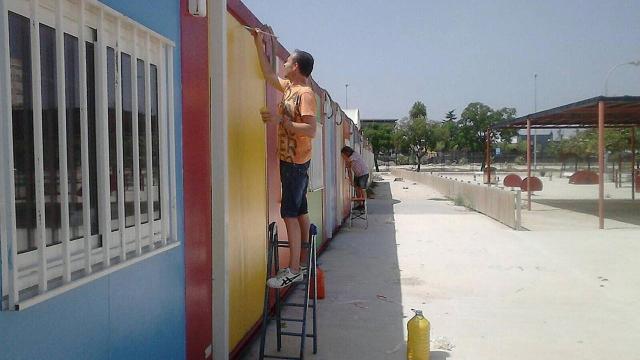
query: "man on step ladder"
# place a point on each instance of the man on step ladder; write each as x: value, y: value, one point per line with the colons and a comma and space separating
x: 296, y: 117
x: 358, y: 174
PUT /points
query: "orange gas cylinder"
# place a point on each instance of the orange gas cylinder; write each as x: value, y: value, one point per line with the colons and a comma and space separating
x: 320, y: 285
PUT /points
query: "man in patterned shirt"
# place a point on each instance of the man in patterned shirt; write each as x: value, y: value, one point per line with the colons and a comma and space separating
x: 297, y: 126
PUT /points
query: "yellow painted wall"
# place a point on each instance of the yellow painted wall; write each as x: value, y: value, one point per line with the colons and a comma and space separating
x: 247, y: 183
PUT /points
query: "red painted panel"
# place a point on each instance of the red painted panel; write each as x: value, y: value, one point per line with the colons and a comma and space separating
x: 197, y: 180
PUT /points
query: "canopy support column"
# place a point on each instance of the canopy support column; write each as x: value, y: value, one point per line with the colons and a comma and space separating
x: 601, y: 163
x: 488, y: 155
x: 529, y: 164
x: 633, y: 163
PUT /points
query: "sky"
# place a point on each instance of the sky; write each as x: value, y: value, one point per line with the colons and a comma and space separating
x: 448, y: 54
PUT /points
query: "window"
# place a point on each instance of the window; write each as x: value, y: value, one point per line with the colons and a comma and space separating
x: 87, y: 129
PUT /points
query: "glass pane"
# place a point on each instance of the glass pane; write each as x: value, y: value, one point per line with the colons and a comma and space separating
x: 74, y: 148
x: 23, y: 145
x: 50, y: 141
x: 91, y: 119
x: 155, y: 136
x: 127, y: 139
x: 142, y: 142
x: 113, y: 159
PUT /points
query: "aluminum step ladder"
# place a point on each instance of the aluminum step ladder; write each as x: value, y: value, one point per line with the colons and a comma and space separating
x: 361, y: 213
x: 309, y: 279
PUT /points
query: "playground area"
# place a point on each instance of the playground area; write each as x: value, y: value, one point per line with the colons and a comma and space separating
x: 561, y: 205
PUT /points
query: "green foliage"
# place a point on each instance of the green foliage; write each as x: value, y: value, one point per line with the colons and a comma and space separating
x: 459, y: 201
x: 584, y: 145
x: 451, y: 116
x: 420, y: 137
x: 417, y: 135
x: 380, y: 137
x: 474, y: 122
x: 399, y: 137
x: 418, y: 110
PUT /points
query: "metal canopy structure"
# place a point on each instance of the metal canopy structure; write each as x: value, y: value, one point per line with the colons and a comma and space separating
x: 599, y: 112
x: 621, y: 111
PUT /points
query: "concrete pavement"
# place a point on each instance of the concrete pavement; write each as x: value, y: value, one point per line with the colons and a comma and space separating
x: 490, y: 292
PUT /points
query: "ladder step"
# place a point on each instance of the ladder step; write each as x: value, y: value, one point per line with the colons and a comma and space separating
x: 294, y: 334
x: 285, y: 244
x: 291, y: 319
x: 303, y: 284
x: 291, y: 304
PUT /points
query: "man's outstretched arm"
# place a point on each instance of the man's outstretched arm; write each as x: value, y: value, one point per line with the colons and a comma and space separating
x: 271, y: 77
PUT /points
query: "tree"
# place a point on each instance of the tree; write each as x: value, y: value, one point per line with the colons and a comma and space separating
x: 505, y: 114
x: 399, y: 138
x: 380, y: 137
x: 420, y: 137
x: 474, y: 122
x: 418, y: 110
x: 441, y: 135
x: 564, y: 150
x: 451, y: 116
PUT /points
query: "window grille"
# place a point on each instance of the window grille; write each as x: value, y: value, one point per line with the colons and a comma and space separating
x: 87, y: 146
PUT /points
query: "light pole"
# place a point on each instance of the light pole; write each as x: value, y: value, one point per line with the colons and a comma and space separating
x: 535, y: 132
x: 606, y: 80
x: 346, y: 96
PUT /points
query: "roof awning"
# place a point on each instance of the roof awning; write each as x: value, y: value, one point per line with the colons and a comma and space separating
x: 621, y: 111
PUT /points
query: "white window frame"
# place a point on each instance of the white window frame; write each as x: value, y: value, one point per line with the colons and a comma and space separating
x: 37, y: 275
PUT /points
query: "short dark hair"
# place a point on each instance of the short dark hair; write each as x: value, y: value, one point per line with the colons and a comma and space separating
x: 304, y: 61
x: 347, y: 150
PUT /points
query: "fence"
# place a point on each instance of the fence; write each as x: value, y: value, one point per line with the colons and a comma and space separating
x: 496, y: 203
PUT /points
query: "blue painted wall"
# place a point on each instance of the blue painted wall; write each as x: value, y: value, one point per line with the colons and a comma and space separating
x: 134, y: 313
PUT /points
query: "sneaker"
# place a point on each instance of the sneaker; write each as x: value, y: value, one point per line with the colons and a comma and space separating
x: 303, y: 270
x: 284, y: 278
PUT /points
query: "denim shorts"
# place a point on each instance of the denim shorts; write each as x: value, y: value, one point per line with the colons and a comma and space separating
x: 361, y: 181
x: 295, y: 180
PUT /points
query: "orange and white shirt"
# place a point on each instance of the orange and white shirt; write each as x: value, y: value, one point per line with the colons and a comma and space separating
x: 298, y: 101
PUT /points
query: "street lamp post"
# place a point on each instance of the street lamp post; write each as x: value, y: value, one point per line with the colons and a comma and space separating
x: 606, y: 80
x: 535, y: 132
x: 346, y: 96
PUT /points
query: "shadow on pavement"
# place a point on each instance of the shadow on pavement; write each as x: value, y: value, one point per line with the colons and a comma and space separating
x: 439, y: 355
x: 361, y: 316
x: 627, y: 211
